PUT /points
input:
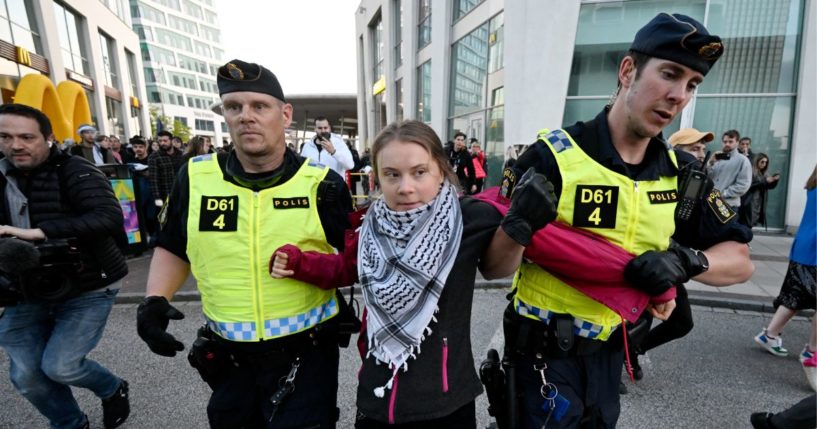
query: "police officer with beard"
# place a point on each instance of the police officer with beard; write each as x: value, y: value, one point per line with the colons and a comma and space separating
x: 269, y: 350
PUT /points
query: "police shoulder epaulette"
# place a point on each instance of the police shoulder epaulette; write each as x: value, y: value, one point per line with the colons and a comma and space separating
x: 559, y: 140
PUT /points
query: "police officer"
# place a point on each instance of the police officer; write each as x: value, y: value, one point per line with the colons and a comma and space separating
x: 560, y: 341
x: 270, y: 347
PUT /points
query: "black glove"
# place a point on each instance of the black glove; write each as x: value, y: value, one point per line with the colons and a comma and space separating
x: 152, y: 318
x: 533, y: 205
x: 655, y: 272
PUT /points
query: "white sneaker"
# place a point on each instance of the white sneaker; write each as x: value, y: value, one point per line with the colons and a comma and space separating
x: 772, y: 345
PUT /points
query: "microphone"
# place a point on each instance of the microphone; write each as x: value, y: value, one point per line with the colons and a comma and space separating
x: 17, y: 256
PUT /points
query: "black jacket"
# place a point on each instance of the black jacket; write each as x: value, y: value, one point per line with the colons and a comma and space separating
x: 70, y: 198
x: 463, y: 165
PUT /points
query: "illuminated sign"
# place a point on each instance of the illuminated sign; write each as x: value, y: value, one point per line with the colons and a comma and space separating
x: 66, y: 106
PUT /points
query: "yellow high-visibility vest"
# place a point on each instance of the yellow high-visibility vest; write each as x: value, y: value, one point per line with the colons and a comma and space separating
x: 635, y: 215
x: 231, y: 233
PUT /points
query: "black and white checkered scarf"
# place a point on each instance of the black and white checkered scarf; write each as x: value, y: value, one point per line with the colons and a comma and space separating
x: 403, y: 263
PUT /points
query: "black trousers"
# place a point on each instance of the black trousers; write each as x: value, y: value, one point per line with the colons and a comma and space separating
x: 803, y: 415
x: 241, y: 394
x: 463, y: 418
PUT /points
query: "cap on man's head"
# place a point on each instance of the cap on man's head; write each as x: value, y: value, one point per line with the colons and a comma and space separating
x: 681, y: 39
x: 85, y: 127
x: 686, y: 136
x: 238, y: 75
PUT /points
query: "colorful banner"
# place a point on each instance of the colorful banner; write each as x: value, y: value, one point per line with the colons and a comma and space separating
x: 123, y: 188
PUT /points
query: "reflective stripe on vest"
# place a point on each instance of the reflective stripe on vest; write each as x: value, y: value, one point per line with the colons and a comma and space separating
x: 231, y: 234
x: 634, y: 215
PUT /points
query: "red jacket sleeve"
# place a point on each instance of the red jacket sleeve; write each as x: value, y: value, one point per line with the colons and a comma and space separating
x: 326, y: 271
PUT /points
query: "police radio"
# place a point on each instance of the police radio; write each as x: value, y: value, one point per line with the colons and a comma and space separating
x: 691, y: 189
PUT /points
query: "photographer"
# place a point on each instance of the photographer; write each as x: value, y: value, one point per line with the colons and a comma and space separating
x: 328, y: 149
x: 58, y: 296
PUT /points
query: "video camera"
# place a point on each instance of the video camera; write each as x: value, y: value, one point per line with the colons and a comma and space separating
x: 38, y: 271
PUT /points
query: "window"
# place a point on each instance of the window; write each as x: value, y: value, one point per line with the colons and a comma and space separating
x: 144, y: 32
x: 192, y: 9
x: 173, y: 39
x: 469, y: 67
x: 211, y: 34
x: 192, y: 64
x: 377, y: 51
x: 73, y: 49
x: 154, y: 75
x: 109, y: 60
x: 398, y: 90
x: 172, y: 4
x: 17, y: 25
x: 462, y: 7
x: 210, y: 17
x: 205, y: 125
x: 114, y: 117
x: 424, y: 26
x: 424, y: 92
x: 159, y: 55
x: 151, y: 14
x: 398, y: 33
x: 224, y: 128
x: 496, y: 37
x: 184, y: 25
x: 202, y: 49
x: 131, y: 59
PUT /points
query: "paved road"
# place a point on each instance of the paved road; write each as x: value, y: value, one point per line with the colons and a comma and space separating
x: 714, y: 378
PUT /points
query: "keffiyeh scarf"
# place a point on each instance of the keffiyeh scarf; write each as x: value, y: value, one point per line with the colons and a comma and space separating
x: 404, y: 259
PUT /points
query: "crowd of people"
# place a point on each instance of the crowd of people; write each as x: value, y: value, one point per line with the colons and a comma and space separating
x: 600, y: 223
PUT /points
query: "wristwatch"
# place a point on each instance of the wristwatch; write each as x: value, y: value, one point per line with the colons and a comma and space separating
x: 702, y: 258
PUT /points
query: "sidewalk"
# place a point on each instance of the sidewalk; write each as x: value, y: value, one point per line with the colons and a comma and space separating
x: 769, y: 252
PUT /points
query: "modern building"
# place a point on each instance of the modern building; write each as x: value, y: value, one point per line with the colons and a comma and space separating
x: 182, y: 51
x: 502, y: 70
x: 85, y: 41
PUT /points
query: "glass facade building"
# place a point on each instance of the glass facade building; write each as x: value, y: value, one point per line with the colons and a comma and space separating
x: 181, y: 49
x: 459, y: 61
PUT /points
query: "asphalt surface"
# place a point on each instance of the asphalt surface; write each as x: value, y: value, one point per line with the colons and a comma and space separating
x: 714, y: 378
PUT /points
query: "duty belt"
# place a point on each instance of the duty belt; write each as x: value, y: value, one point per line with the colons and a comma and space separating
x: 529, y: 337
x: 280, y: 351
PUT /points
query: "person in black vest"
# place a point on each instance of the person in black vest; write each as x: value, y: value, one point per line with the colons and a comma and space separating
x: 59, y: 294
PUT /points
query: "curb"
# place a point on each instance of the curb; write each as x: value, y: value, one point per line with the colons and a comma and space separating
x: 732, y: 301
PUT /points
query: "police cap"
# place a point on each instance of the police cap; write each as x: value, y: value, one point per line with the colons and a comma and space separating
x: 238, y: 75
x: 681, y: 39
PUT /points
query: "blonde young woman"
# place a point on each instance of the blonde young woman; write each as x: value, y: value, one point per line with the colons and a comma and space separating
x: 415, y: 257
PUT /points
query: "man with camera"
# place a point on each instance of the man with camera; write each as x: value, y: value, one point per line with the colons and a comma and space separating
x: 328, y: 148
x: 269, y: 350
x: 60, y: 270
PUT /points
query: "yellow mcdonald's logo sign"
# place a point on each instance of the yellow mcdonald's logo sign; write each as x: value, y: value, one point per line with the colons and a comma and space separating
x: 23, y: 56
x: 66, y: 106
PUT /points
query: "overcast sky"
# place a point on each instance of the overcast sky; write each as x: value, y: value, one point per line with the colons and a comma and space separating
x: 308, y: 44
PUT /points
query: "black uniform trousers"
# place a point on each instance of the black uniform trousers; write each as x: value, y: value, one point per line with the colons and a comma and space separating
x: 242, y: 391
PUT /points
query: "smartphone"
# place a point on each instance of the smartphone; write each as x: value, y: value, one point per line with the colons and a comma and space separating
x: 721, y: 155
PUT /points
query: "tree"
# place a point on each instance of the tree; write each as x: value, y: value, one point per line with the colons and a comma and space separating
x: 181, y: 130
x: 155, y: 116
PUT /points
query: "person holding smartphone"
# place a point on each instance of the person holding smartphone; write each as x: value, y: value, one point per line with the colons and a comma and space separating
x: 328, y: 149
x: 756, y: 197
x: 732, y: 172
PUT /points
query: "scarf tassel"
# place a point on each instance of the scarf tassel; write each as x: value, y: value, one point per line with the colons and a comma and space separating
x: 381, y: 391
